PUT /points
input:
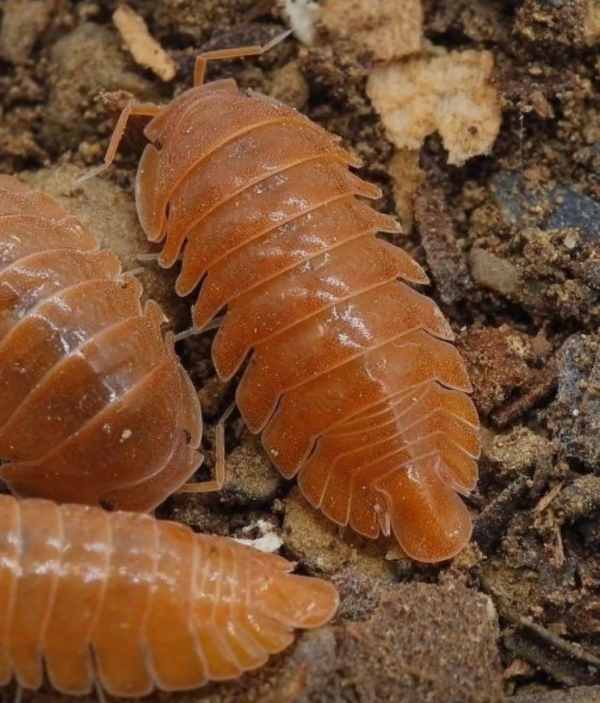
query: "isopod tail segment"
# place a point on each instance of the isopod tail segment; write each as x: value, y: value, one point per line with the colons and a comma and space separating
x: 134, y: 109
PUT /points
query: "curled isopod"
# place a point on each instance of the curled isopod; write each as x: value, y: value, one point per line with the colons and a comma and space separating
x: 96, y: 407
x: 352, y: 379
x: 131, y: 603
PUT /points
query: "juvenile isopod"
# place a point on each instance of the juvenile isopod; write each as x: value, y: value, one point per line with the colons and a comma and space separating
x: 95, y: 407
x: 129, y: 603
x: 352, y: 379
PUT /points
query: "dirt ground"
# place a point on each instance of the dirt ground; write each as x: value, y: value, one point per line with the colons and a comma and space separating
x: 511, y: 242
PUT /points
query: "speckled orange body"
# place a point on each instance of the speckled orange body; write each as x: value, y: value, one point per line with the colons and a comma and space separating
x: 95, y: 406
x: 135, y: 603
x: 352, y: 379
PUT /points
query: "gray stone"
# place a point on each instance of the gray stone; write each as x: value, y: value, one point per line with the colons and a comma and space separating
x: 575, y: 210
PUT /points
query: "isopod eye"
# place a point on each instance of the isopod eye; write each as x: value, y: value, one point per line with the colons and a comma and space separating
x: 158, y: 145
x: 107, y: 505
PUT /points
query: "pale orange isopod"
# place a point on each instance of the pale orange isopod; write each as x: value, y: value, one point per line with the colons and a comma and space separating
x: 95, y: 407
x: 131, y: 603
x: 352, y: 379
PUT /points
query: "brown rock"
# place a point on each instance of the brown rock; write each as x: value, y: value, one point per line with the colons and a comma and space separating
x: 87, y: 61
x: 250, y: 478
x: 497, y: 361
x: 423, y: 643
x: 556, y: 24
x: 514, y: 453
x: 196, y: 20
x: 574, y: 417
x: 290, y: 87
x: 22, y: 23
x: 580, y: 499
x: 494, y: 273
x: 388, y: 29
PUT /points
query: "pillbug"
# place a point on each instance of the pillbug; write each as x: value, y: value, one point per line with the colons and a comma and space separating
x: 96, y: 407
x: 132, y: 603
x: 352, y: 379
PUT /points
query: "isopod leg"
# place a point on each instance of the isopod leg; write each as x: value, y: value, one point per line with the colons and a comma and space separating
x: 99, y: 691
x: 130, y: 110
x: 193, y: 331
x: 215, y: 484
x: 235, y: 53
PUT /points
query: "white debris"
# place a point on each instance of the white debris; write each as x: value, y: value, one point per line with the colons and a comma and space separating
x: 452, y: 94
x: 269, y: 541
x: 301, y: 15
x: 145, y: 50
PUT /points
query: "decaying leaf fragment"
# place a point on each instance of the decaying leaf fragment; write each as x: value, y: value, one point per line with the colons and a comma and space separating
x: 389, y: 29
x: 145, y: 49
x: 452, y: 94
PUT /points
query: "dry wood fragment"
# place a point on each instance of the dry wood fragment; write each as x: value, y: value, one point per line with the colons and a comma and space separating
x: 540, y: 384
x: 145, y: 50
x: 444, y: 255
x: 491, y: 524
x: 408, y: 176
x: 452, y: 94
x: 548, y: 498
x: 566, y: 662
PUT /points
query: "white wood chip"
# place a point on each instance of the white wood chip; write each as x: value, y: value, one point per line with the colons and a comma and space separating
x: 145, y: 50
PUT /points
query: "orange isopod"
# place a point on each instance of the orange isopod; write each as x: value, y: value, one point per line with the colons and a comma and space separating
x: 352, y: 379
x: 131, y: 603
x: 96, y: 407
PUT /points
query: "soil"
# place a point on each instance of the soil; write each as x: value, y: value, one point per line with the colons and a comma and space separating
x: 511, y: 242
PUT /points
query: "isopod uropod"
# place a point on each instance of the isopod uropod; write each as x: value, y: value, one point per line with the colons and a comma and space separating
x: 352, y: 379
x: 96, y: 407
x: 132, y: 603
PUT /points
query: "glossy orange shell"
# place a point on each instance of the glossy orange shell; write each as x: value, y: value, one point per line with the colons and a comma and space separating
x: 95, y: 406
x: 135, y: 603
x: 352, y: 379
